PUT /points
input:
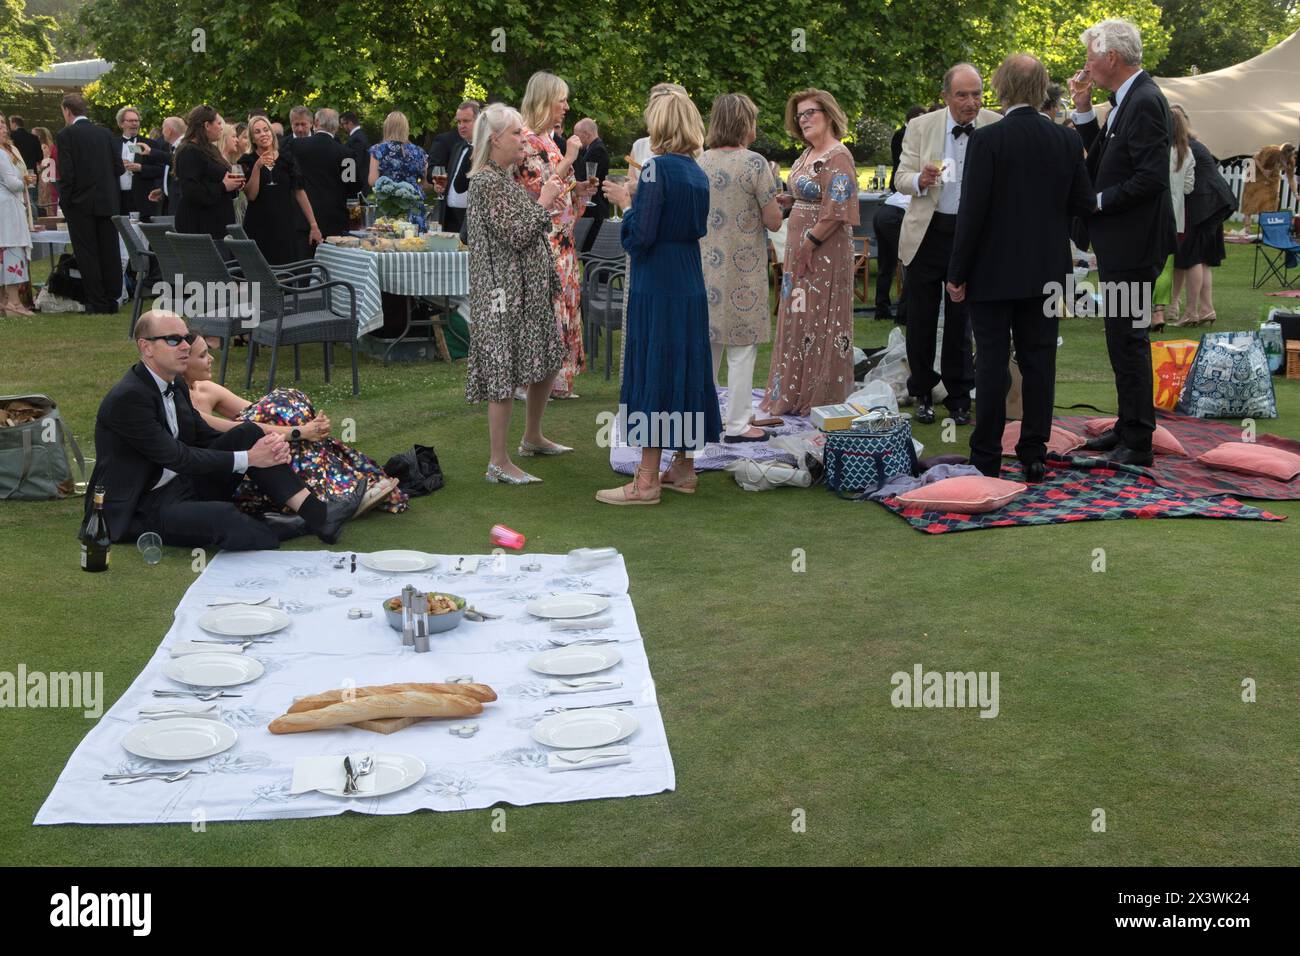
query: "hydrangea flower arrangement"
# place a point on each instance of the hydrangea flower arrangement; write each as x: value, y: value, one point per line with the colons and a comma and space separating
x: 396, y: 200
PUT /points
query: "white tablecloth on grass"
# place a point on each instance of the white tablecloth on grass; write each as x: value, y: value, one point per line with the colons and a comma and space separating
x: 322, y: 649
x: 56, y: 239
x: 399, y: 273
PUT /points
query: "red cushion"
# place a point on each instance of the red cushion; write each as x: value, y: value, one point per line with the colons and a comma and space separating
x: 1252, y: 459
x: 1061, y: 442
x: 1163, y: 441
x: 965, y: 494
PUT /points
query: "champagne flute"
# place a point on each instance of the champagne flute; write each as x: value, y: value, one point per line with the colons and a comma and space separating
x: 616, y: 212
x: 593, y: 180
x: 268, y: 163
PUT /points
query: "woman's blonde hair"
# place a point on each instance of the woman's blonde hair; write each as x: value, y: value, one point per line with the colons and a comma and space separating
x: 834, y: 115
x: 544, y: 90
x: 396, y: 128
x: 492, y: 120
x: 733, y: 121
x: 674, y: 124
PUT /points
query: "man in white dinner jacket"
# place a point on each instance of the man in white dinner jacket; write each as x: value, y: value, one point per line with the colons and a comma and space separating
x: 925, y: 243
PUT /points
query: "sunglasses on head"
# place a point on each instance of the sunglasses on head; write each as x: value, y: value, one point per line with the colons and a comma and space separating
x: 173, y: 340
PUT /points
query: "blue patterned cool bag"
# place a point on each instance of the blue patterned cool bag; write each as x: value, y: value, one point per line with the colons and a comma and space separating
x: 1229, y: 379
x: 862, y: 458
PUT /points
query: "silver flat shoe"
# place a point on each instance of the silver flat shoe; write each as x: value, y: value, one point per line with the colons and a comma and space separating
x: 528, y: 450
x: 498, y: 477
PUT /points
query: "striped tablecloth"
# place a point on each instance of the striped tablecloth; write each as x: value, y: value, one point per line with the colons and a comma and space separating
x: 400, y: 273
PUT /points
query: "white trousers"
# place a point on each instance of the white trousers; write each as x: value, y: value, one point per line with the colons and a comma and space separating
x: 740, y: 382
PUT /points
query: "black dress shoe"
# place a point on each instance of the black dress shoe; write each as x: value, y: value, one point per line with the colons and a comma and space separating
x: 1104, y: 442
x: 1035, y: 471
x: 338, y: 512
x: 1123, y: 455
x: 925, y: 413
x: 733, y: 439
x: 962, y: 418
x: 285, y: 526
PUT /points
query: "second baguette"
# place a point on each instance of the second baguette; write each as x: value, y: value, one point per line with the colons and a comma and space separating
x: 406, y: 704
x: 476, y: 691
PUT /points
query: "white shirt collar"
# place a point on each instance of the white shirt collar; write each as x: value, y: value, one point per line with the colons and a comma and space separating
x: 1123, y: 89
x: 178, y: 140
x: 78, y: 119
x: 162, y: 383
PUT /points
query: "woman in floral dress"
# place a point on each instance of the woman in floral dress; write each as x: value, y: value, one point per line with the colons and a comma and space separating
x: 546, y: 100
x: 329, y: 468
x: 514, y: 340
x: 396, y: 157
x: 812, y: 357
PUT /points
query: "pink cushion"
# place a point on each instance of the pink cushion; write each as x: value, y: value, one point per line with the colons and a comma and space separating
x: 965, y: 494
x: 1061, y: 442
x: 1252, y: 459
x: 1163, y: 441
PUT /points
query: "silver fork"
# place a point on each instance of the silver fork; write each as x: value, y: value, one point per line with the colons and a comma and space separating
x: 580, y: 641
x: 231, y: 640
x: 233, y: 603
x: 205, y: 695
x: 167, y: 776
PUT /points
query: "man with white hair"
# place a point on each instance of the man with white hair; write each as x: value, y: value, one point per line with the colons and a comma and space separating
x: 1132, y: 227
x: 593, y: 151
x: 168, y: 195
x: 328, y: 169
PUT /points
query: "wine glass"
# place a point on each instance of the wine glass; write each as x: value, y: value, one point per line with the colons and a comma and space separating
x: 593, y: 180
x: 615, y: 212
x: 439, y: 176
x: 268, y: 163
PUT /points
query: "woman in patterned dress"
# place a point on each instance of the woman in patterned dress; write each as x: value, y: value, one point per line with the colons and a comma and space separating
x: 329, y: 468
x: 514, y: 339
x: 397, y: 157
x: 742, y: 201
x: 812, y: 358
x: 546, y: 100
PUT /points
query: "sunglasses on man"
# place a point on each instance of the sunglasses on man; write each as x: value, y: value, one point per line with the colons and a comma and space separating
x: 173, y: 340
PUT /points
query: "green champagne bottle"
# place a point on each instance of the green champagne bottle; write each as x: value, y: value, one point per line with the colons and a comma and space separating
x: 95, y: 539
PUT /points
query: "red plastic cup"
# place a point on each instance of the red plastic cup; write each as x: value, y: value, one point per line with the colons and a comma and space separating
x: 504, y: 537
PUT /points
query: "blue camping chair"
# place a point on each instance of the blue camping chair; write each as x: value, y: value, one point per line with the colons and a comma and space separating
x: 1279, y: 251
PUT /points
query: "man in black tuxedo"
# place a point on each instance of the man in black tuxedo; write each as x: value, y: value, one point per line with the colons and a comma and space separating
x: 160, y: 155
x: 1132, y: 226
x: 164, y: 469
x: 593, y: 151
x: 1023, y: 181
x: 358, y: 146
x: 138, y: 180
x: 452, y: 151
x: 90, y: 168
x: 325, y: 165
x: 28, y: 146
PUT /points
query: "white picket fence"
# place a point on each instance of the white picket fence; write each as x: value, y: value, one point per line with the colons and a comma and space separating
x: 1234, y: 171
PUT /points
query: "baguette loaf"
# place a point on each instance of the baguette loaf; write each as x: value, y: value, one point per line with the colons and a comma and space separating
x: 406, y: 704
x: 481, y: 692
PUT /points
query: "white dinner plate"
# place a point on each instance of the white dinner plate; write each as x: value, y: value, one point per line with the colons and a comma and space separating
x: 399, y: 561
x: 587, y: 728
x: 392, y: 772
x: 214, y: 670
x: 571, y: 661
x: 567, y: 605
x: 179, y: 738
x: 243, y: 620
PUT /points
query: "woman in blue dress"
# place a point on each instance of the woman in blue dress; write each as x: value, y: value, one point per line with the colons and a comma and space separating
x: 668, y: 399
x: 397, y: 157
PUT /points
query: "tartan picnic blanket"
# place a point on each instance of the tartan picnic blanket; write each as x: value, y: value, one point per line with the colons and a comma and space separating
x: 1081, y: 489
x: 1189, y: 477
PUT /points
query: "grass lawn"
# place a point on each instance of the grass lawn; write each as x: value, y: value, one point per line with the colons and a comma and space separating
x: 1119, y: 690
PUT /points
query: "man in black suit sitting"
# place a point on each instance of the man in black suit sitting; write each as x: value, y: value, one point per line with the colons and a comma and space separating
x: 90, y: 168
x: 166, y: 470
x: 593, y: 151
x: 324, y: 164
x: 356, y: 143
x: 1022, y: 183
x: 1132, y: 226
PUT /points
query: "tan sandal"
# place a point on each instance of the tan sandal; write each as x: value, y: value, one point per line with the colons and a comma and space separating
x: 634, y: 493
x: 686, y: 485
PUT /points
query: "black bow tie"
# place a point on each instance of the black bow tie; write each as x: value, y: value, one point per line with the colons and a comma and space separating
x: 1112, y: 100
x: 169, y: 390
x: 958, y: 131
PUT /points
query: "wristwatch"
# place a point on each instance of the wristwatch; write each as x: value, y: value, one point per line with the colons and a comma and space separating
x: 295, y: 435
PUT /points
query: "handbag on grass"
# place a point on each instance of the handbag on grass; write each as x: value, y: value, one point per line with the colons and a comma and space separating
x: 875, y: 449
x: 1229, y: 378
x: 33, y: 450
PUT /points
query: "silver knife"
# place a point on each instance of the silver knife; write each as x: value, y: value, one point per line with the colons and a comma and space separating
x: 617, y: 703
x: 350, y: 784
x: 578, y: 756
